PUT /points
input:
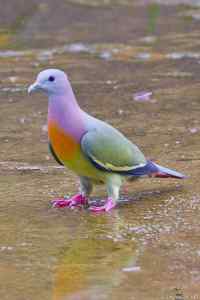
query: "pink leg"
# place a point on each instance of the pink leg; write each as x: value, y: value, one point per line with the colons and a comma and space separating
x: 109, y: 204
x: 76, y: 200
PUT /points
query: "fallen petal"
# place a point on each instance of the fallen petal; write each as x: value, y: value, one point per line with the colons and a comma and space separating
x: 132, y: 269
x: 142, y: 96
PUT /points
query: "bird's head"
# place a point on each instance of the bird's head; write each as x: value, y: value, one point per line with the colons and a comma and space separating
x: 50, y: 81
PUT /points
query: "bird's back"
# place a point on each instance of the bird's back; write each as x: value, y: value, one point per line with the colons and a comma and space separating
x: 112, y: 144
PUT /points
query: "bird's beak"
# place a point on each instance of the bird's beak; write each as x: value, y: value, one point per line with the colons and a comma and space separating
x: 34, y: 87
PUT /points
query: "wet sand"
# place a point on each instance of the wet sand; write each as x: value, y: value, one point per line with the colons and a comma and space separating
x: 147, y: 248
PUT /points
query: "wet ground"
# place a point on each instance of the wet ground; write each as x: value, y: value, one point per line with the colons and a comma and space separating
x: 147, y: 248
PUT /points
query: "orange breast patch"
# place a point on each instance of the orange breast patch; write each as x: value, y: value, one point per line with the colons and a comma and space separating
x: 63, y: 144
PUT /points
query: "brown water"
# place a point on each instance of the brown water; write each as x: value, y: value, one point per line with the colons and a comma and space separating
x: 147, y: 248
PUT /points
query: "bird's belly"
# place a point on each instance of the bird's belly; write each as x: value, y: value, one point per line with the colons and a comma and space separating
x: 69, y: 152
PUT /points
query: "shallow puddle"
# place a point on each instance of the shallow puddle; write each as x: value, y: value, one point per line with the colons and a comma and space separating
x: 114, y: 52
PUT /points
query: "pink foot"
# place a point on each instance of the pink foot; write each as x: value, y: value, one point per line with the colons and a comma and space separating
x: 76, y: 200
x: 104, y: 208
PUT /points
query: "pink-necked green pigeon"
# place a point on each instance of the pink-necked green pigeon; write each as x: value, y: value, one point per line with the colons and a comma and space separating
x: 93, y: 149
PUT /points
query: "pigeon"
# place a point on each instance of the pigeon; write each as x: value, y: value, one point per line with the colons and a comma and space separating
x: 94, y: 150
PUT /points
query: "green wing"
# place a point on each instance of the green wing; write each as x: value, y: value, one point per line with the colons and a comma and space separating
x: 109, y: 150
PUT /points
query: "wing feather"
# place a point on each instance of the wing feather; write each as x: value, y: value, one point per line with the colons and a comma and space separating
x: 110, y: 151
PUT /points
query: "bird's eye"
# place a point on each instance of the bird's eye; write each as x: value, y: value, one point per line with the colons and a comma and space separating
x: 51, y: 78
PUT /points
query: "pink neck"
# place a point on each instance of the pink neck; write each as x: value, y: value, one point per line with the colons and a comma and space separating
x: 66, y: 113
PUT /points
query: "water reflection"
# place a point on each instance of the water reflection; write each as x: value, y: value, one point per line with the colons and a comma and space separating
x: 93, y: 265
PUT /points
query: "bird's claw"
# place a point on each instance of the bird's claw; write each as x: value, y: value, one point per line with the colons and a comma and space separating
x: 72, y: 202
x: 110, y: 204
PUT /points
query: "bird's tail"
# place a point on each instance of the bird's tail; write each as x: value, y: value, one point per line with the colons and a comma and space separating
x: 152, y: 169
x: 163, y: 172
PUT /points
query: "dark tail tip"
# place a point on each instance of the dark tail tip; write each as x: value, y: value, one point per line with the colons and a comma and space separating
x: 164, y: 172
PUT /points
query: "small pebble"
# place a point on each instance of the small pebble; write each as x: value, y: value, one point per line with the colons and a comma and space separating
x: 13, y: 79
x: 194, y: 130
x: 4, y: 248
x: 105, y: 55
x: 45, y: 128
x: 120, y: 111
